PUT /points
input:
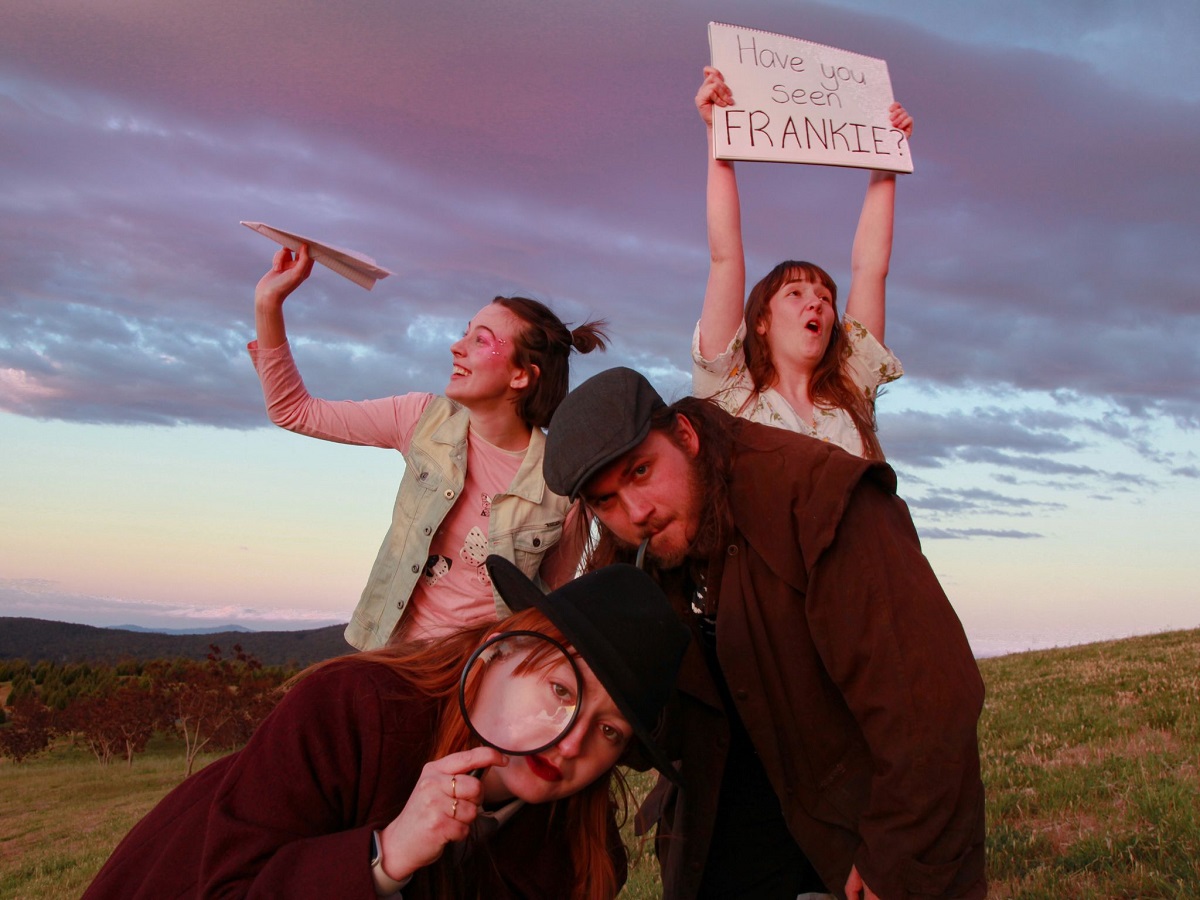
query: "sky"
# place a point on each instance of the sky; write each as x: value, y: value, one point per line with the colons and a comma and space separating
x: 1042, y: 296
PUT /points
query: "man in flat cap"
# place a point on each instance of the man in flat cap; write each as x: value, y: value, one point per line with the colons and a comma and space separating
x: 826, y: 721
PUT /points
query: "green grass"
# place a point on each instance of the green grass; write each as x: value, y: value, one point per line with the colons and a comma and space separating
x: 1091, y: 758
x: 1091, y: 761
x: 62, y: 813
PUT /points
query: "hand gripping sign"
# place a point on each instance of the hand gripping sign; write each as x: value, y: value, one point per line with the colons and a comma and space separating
x: 795, y: 101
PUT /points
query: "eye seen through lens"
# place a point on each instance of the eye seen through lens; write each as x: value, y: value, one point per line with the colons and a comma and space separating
x: 520, y: 692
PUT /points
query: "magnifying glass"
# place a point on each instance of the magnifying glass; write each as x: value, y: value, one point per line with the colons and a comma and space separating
x: 520, y: 692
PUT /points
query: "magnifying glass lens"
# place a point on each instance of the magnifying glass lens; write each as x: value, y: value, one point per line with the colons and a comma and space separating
x: 524, y: 691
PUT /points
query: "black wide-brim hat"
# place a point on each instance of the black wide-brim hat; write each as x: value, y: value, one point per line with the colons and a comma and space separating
x: 622, y: 625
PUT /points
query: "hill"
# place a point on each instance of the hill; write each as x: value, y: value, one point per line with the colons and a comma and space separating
x: 217, y: 630
x: 1089, y: 761
x: 64, y: 642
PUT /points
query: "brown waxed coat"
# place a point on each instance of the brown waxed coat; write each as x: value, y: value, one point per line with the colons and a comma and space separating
x: 852, y: 675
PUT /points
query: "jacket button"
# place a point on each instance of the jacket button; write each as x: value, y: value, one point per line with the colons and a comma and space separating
x: 732, y: 551
x: 428, y: 530
x: 424, y: 475
x: 416, y: 569
x: 449, y: 494
x: 537, y: 542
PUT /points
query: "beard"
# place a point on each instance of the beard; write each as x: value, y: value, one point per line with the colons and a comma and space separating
x: 696, y: 522
x: 669, y: 557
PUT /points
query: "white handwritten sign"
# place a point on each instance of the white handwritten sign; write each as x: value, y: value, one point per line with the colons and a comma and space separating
x: 795, y: 101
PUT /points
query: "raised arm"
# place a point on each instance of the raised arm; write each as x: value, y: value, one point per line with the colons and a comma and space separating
x: 726, y: 289
x: 287, y: 273
x: 386, y: 422
x: 872, y: 253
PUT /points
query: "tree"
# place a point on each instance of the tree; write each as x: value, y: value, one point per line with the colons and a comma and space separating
x: 22, y: 686
x: 136, y: 712
x: 120, y: 720
x: 86, y: 719
x: 30, y: 730
x: 217, y: 703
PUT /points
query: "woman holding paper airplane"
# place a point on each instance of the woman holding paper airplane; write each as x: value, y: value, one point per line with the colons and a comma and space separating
x: 786, y: 359
x: 472, y: 483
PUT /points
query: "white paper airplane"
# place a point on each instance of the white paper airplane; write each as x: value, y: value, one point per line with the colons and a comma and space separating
x: 358, y: 268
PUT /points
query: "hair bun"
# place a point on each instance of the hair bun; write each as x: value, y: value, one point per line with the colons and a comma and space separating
x: 590, y: 336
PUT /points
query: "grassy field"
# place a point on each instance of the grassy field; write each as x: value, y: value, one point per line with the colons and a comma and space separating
x: 62, y: 813
x: 1091, y: 759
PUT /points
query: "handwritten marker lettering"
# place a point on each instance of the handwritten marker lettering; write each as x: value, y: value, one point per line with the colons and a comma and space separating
x: 766, y: 58
x: 755, y: 128
x: 803, y: 102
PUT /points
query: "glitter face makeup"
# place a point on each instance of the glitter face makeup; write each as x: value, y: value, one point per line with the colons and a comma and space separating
x: 482, y: 359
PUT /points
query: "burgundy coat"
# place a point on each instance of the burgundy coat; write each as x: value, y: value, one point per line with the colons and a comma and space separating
x: 852, y: 675
x: 291, y: 814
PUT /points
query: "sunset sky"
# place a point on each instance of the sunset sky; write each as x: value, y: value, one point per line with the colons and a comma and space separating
x: 1043, y: 293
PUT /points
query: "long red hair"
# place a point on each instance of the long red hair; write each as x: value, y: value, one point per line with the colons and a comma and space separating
x: 830, y: 386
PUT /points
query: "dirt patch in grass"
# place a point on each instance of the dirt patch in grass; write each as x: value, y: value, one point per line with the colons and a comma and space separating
x: 1064, y: 833
x: 1141, y: 743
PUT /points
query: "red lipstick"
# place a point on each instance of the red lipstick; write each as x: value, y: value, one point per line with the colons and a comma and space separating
x: 543, y: 768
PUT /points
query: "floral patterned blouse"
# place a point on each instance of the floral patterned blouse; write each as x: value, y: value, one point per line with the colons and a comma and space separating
x: 726, y: 380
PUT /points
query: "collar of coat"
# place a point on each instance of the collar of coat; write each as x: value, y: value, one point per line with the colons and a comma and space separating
x: 772, y: 467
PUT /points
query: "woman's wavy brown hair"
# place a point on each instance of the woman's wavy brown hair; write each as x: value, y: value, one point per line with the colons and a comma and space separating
x: 543, y: 349
x: 831, y: 386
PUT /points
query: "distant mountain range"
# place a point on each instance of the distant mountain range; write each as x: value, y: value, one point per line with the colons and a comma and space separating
x: 64, y: 642
x: 220, y: 629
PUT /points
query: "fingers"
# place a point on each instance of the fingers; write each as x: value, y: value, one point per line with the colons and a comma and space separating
x: 901, y: 120
x: 455, y: 776
x: 301, y: 264
x: 298, y: 266
x: 714, y: 89
x: 431, y: 819
x: 468, y: 760
x: 303, y: 260
x: 854, y: 885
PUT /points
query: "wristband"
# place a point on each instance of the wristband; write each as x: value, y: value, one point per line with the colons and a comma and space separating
x: 385, y: 884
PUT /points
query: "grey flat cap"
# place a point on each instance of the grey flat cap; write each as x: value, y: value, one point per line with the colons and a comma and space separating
x: 602, y: 419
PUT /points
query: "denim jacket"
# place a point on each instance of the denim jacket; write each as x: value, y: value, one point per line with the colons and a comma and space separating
x: 525, y: 521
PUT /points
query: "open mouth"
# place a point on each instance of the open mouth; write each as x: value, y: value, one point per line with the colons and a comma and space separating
x: 458, y: 370
x: 814, y: 326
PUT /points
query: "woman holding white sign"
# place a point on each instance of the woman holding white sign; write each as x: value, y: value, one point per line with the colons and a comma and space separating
x: 473, y: 481
x: 786, y: 359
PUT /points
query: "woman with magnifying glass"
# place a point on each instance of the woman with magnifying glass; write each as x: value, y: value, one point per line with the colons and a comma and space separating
x: 481, y: 765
